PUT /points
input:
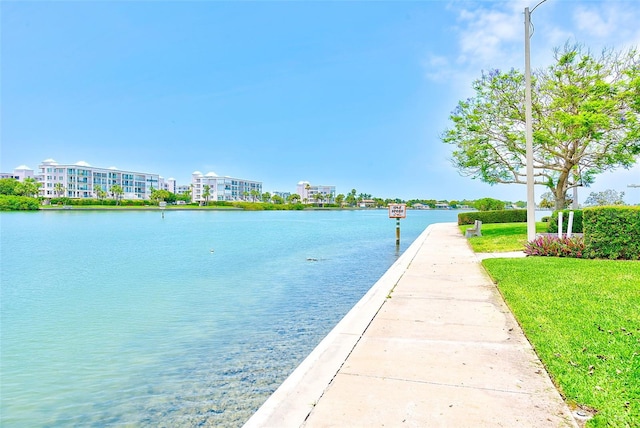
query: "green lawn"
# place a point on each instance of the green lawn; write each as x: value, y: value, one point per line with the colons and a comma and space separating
x: 501, y: 237
x: 583, y: 319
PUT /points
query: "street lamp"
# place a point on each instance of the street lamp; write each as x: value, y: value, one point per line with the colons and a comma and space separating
x: 531, y: 213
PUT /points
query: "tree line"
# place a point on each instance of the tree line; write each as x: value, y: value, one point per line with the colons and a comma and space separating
x: 25, y: 194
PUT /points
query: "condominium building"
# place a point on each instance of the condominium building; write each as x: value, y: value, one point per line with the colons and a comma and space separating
x: 81, y: 180
x: 171, y: 185
x: 223, y: 188
x: 19, y: 173
x: 22, y: 172
x: 308, y: 192
x: 182, y: 189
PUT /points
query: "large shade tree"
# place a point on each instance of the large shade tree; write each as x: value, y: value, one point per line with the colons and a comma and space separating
x: 586, y: 120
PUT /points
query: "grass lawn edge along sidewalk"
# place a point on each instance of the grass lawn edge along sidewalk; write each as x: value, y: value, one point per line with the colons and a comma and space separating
x: 581, y: 316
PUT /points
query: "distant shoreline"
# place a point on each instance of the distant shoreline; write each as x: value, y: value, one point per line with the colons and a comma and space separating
x: 199, y: 208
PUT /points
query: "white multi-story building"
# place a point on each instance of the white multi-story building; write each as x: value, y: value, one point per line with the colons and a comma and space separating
x: 182, y: 189
x: 23, y: 172
x: 307, y: 192
x: 19, y: 173
x: 223, y: 188
x: 170, y: 185
x: 81, y: 180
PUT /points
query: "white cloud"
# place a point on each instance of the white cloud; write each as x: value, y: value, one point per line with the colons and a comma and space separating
x: 613, y: 24
x: 437, y: 67
x: 486, y: 38
x: 600, y: 23
x: 486, y: 35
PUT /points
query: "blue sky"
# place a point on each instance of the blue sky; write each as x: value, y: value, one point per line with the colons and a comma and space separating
x: 352, y: 94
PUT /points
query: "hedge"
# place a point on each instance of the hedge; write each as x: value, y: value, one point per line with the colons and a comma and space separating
x: 106, y: 202
x: 501, y: 216
x: 576, y: 227
x: 612, y: 232
x: 18, y: 203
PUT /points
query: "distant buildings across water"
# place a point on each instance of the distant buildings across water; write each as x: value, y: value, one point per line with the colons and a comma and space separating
x: 81, y: 180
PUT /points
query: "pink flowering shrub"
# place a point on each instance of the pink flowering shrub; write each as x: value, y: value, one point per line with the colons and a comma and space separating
x: 548, y: 245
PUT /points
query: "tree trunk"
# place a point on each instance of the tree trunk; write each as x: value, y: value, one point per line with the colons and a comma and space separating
x: 560, y: 202
x: 560, y: 191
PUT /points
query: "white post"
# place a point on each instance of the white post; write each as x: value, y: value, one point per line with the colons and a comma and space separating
x: 560, y: 224
x: 531, y: 216
x: 570, y: 224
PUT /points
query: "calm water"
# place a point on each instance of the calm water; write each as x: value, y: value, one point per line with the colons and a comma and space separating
x: 126, y: 318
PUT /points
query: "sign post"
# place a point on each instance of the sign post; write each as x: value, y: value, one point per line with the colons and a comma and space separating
x: 397, y: 211
x: 162, y: 205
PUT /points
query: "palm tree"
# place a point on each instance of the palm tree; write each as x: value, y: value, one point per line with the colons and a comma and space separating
x: 206, y: 192
x: 245, y: 194
x: 306, y: 188
x: 117, y: 192
x: 351, y: 197
x: 59, y: 189
x: 294, y: 198
x: 330, y: 197
x: 319, y: 198
x: 102, y: 194
x: 29, y: 187
x: 187, y: 193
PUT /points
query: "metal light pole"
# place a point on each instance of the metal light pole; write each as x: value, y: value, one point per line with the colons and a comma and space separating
x: 531, y: 207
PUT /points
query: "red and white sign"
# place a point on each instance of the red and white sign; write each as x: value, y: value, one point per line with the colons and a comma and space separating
x: 397, y: 210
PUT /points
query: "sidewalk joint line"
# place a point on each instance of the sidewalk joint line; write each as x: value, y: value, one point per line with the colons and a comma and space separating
x: 507, y: 391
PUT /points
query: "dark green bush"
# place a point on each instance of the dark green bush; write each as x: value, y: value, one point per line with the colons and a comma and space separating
x: 502, y: 216
x: 79, y: 202
x: 18, y: 203
x: 221, y: 203
x: 577, y: 227
x: 249, y: 206
x: 612, y: 232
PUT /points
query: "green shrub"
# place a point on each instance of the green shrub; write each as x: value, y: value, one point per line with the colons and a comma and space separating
x: 221, y: 203
x: 545, y: 219
x: 79, y: 202
x: 577, y: 226
x: 18, y: 203
x: 249, y: 206
x: 612, y: 232
x: 502, y: 216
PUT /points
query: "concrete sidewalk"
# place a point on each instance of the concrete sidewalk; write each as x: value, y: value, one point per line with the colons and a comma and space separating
x: 442, y: 351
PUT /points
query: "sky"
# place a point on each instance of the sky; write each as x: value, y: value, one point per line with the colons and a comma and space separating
x: 354, y: 94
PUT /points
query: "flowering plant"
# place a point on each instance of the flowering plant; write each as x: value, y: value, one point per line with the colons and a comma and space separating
x: 546, y: 245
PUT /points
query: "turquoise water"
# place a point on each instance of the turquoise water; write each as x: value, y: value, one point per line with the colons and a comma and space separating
x: 131, y: 319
